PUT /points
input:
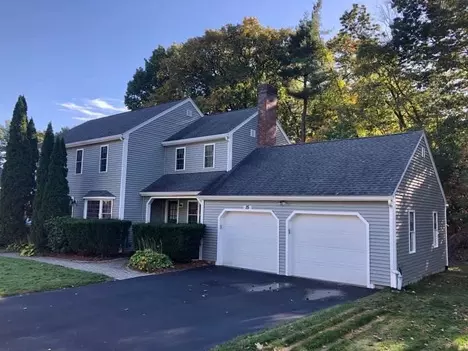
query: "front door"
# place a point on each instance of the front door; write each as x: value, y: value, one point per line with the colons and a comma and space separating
x: 172, y: 211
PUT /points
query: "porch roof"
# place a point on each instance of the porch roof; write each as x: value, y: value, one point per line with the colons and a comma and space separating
x: 182, y: 182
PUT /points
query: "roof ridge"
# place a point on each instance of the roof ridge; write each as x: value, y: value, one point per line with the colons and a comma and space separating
x: 421, y: 131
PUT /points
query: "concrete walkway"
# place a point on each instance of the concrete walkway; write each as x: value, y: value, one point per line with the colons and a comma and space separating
x: 115, y: 268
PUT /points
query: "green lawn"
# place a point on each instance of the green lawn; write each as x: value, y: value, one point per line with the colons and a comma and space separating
x: 20, y: 276
x: 430, y: 315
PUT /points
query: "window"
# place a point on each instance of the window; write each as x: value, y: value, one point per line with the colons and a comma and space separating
x: 209, y: 156
x: 423, y: 152
x: 103, y: 159
x: 180, y: 159
x: 99, y: 209
x: 192, y: 212
x: 412, y: 231
x: 172, y: 211
x: 435, y: 229
x: 189, y: 113
x: 79, y: 161
x: 253, y: 133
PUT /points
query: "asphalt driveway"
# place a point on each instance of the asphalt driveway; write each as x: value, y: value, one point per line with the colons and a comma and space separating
x: 189, y: 310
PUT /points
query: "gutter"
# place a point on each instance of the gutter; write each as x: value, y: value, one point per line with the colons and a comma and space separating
x: 95, y: 141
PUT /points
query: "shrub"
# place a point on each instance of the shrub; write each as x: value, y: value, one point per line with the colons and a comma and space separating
x: 15, y: 247
x: 103, y: 237
x: 149, y: 261
x: 180, y: 242
x: 28, y: 250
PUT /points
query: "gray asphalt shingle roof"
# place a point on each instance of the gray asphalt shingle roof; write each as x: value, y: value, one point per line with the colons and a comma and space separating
x: 115, y: 124
x: 183, y: 182
x: 354, y: 167
x: 220, y: 123
x: 99, y: 193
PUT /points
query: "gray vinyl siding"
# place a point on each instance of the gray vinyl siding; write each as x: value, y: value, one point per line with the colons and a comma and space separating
x: 91, y: 179
x: 280, y: 138
x: 375, y: 213
x: 420, y: 191
x: 145, y: 161
x: 242, y: 143
x: 194, y: 157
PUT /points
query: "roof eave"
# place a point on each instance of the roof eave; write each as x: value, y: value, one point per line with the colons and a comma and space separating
x: 296, y: 198
x: 94, y: 141
x: 163, y: 194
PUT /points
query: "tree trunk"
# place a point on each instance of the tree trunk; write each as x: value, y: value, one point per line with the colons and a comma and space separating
x: 303, y: 120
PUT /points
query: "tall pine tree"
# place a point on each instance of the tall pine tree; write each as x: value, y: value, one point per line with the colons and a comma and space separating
x: 38, y: 236
x: 16, y: 178
x: 303, y: 64
x: 31, y: 135
x: 56, y: 200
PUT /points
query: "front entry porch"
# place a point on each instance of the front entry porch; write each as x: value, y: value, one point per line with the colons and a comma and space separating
x: 173, y: 210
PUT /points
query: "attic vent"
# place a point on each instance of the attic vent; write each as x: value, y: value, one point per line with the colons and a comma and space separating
x: 423, y: 152
x: 189, y: 113
x: 253, y: 133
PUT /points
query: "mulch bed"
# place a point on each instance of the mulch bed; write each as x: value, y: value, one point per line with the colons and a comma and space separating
x: 183, y: 266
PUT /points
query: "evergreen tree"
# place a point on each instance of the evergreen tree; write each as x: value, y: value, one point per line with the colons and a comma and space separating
x: 38, y: 236
x: 15, y: 182
x: 303, y: 64
x: 33, y: 159
x: 56, y: 199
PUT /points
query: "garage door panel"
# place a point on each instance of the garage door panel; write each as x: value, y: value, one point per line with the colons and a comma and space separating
x: 328, y: 247
x: 249, y: 240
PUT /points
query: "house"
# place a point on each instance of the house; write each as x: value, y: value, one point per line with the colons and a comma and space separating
x: 367, y: 211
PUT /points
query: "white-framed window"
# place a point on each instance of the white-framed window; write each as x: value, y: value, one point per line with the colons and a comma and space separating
x: 103, y: 158
x: 189, y: 113
x: 79, y: 161
x: 253, y: 133
x: 209, y: 156
x: 435, y: 229
x: 423, y: 152
x: 192, y: 212
x: 98, y: 208
x: 180, y: 159
x: 412, y: 231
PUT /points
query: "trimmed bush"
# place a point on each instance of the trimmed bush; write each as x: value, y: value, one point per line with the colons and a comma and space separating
x: 149, y: 261
x: 180, y: 242
x: 94, y: 237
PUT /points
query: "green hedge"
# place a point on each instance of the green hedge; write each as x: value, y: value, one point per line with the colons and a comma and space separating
x: 180, y: 242
x: 97, y: 237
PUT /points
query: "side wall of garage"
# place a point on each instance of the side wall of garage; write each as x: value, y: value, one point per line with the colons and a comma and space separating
x: 375, y: 213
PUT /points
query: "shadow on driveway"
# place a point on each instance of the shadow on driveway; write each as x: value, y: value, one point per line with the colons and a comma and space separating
x: 188, y: 310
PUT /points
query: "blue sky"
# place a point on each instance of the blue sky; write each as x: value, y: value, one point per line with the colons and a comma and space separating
x: 72, y: 59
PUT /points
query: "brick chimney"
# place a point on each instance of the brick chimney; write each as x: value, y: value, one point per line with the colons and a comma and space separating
x: 267, y: 105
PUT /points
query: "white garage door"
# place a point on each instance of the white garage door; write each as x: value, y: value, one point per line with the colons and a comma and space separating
x: 248, y: 240
x: 328, y: 247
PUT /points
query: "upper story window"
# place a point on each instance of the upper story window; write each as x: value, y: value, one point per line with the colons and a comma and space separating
x: 209, y: 152
x: 103, y: 158
x: 79, y: 161
x: 180, y: 159
x: 412, y: 231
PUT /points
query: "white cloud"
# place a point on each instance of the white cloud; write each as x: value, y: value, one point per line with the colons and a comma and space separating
x: 104, y: 105
x: 93, y: 108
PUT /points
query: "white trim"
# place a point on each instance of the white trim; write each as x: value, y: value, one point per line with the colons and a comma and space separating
x: 229, y: 152
x: 446, y: 238
x: 295, y: 198
x: 99, y: 198
x: 148, y: 210
x: 278, y: 124
x: 123, y: 178
x: 202, y: 209
x: 185, y: 156
x: 195, y: 140
x: 107, y: 158
x: 435, y: 232
x: 409, y: 231
x: 82, y: 160
x: 160, y: 115
x: 214, y: 155
x: 423, y: 136
x: 85, y: 209
x: 198, y: 209
x: 219, y: 255
x: 94, y: 141
x: 330, y: 213
x: 169, y: 194
x: 393, y: 247
x: 101, y: 201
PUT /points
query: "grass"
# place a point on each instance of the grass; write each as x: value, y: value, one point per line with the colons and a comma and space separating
x: 19, y: 276
x: 429, y: 315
